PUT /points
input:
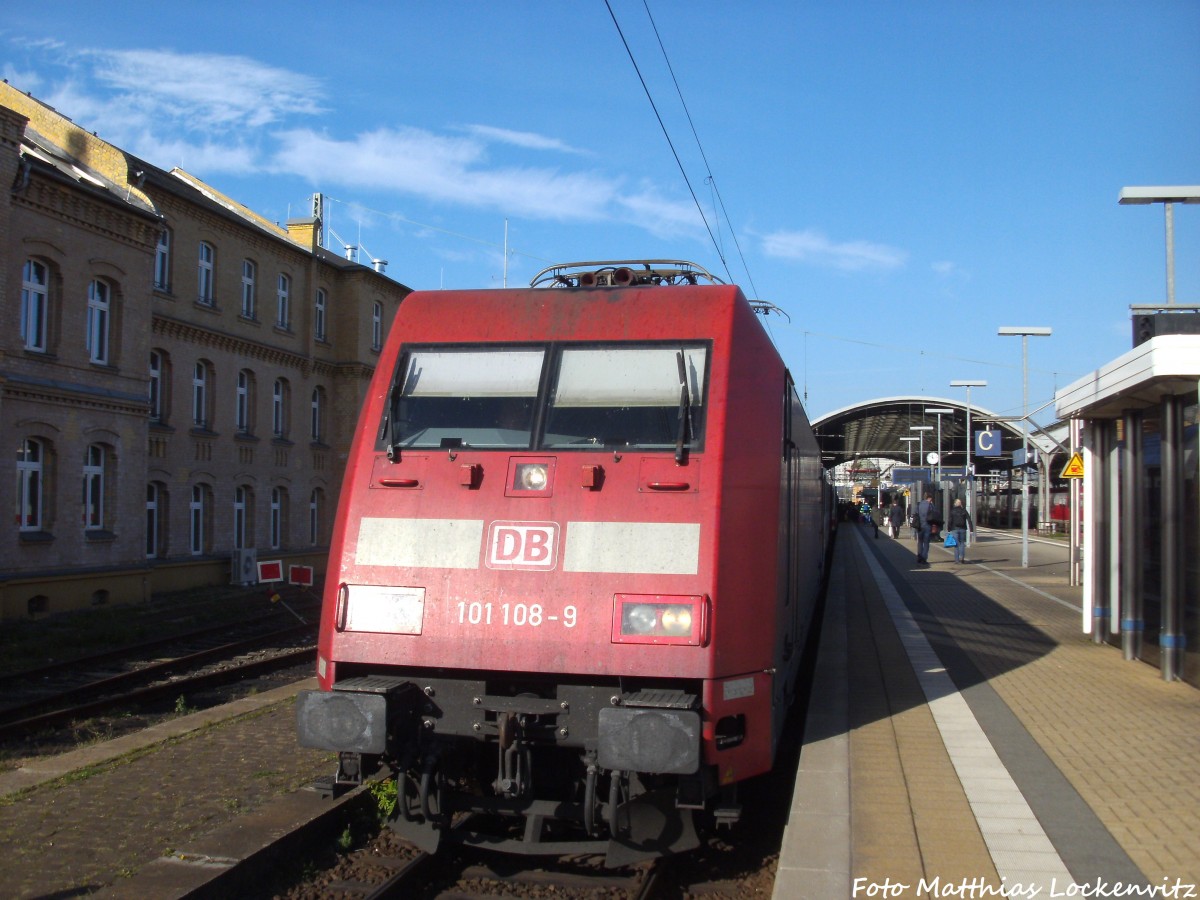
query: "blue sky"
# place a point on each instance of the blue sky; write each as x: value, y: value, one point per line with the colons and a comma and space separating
x: 899, y: 178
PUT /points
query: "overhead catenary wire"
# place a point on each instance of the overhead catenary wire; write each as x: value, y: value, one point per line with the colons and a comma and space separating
x: 711, y: 179
x: 670, y: 143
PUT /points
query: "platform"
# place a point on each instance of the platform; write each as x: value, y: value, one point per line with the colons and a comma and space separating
x: 966, y: 739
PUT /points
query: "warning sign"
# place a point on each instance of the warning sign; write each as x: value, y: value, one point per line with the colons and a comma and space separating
x: 1074, y: 467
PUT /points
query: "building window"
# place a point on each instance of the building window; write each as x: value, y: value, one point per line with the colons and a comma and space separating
x: 156, y: 517
x: 376, y: 325
x: 244, y: 403
x: 318, y: 414
x: 159, y: 380
x: 198, y: 514
x: 278, y: 517
x: 202, y: 394
x: 283, y: 311
x: 204, y: 274
x: 31, y: 455
x: 319, y: 306
x: 35, y: 306
x: 99, y: 311
x: 93, y: 487
x: 243, y: 514
x: 279, y: 404
x: 316, y: 511
x: 162, y: 261
x: 248, y: 271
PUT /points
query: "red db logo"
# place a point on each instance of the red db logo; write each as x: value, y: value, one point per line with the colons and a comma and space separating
x: 522, y: 545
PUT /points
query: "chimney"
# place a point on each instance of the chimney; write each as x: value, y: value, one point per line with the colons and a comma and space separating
x: 380, y: 265
x: 305, y: 232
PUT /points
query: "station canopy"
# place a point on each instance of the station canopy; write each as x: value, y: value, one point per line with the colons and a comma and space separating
x: 874, y: 430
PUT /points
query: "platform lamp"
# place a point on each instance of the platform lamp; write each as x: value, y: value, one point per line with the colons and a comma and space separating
x: 939, y: 412
x: 1168, y: 197
x: 1024, y: 332
x: 909, y: 442
x: 968, y: 384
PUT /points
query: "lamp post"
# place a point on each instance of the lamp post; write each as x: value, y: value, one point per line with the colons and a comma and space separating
x: 920, y: 430
x: 909, y: 442
x: 1168, y: 197
x: 968, y: 384
x: 939, y: 412
x: 1024, y: 332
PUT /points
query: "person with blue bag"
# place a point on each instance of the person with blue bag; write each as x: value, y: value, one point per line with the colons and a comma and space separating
x: 960, y: 521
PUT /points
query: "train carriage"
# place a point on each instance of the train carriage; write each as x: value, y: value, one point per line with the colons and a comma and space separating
x: 576, y: 555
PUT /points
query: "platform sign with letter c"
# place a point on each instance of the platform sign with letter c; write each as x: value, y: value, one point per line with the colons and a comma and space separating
x: 987, y: 443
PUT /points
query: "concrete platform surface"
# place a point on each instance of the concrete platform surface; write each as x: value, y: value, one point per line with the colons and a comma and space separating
x: 966, y: 739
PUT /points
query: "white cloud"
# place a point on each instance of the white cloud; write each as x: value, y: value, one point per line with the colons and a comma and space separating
x: 525, y: 139
x: 207, y: 90
x: 419, y: 163
x: 813, y: 247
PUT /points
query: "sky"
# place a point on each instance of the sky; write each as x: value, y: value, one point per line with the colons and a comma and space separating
x: 899, y: 179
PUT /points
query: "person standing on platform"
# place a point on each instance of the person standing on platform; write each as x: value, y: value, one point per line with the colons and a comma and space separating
x: 960, y: 521
x: 925, y: 513
x: 895, y: 516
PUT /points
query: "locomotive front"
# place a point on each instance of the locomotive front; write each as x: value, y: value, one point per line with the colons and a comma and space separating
x: 524, y: 610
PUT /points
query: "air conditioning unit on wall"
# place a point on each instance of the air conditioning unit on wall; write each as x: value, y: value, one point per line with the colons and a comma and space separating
x: 244, y: 567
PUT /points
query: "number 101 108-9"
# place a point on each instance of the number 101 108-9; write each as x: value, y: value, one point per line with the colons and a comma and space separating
x: 518, y: 614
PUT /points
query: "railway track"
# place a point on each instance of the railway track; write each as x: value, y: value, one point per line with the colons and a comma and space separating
x: 172, y: 666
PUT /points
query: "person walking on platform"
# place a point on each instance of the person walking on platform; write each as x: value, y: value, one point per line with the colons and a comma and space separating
x: 895, y: 516
x: 960, y: 521
x: 926, y: 516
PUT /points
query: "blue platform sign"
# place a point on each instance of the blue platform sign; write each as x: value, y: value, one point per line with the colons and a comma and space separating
x: 987, y: 443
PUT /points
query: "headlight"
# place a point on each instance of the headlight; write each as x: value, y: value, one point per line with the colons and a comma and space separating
x: 531, y: 477
x: 659, y: 619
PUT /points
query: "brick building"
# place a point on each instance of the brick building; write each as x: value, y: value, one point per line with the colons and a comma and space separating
x: 179, y: 377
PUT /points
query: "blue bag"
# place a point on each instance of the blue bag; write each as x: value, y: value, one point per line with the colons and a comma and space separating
x: 950, y: 541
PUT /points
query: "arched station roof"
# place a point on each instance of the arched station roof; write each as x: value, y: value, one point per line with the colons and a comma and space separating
x: 873, y: 430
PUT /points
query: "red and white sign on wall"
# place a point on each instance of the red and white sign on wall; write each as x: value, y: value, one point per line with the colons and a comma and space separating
x: 522, y: 545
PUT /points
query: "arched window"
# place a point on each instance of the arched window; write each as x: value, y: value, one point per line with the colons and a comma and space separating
x: 199, y: 510
x: 99, y: 316
x: 283, y: 307
x: 160, y: 383
x: 243, y: 515
x: 35, y: 306
x: 279, y: 404
x: 316, y: 513
x: 319, y: 310
x: 248, y: 277
x: 201, y: 387
x: 94, y: 460
x: 278, y: 517
x: 156, y: 518
x: 205, y: 270
x: 244, y: 402
x: 318, y: 414
x: 162, y: 261
x: 376, y: 325
x: 31, y: 458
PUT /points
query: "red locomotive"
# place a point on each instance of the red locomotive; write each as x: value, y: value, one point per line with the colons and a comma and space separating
x: 578, y: 548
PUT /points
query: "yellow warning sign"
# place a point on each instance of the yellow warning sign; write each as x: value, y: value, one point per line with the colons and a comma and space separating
x: 1074, y: 467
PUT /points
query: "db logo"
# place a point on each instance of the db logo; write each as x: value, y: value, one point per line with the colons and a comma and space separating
x: 522, y: 545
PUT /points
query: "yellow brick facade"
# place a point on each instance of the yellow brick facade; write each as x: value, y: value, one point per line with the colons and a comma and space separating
x: 234, y: 360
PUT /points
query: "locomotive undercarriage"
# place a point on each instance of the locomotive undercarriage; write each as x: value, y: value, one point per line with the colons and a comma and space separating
x: 527, y: 767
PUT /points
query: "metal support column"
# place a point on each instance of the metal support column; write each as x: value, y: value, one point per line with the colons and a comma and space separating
x: 1133, y: 621
x: 1112, y: 530
x: 1171, y: 639
x: 1096, y: 474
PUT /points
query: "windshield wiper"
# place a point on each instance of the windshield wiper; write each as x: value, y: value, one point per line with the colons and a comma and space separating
x: 685, y: 412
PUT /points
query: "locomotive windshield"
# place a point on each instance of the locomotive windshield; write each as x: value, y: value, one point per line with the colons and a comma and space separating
x: 627, y: 395
x: 468, y: 398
